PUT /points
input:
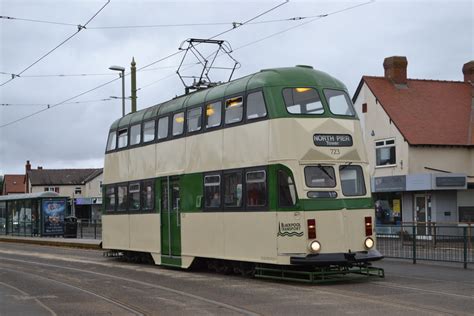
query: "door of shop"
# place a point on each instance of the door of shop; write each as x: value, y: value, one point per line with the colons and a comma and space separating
x: 423, y: 214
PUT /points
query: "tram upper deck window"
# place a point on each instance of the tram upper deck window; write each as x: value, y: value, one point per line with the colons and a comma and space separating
x: 178, y: 124
x: 303, y: 101
x: 148, y: 131
x: 213, y: 114
x: 339, y: 102
x: 256, y: 105
x: 112, y: 141
x: 319, y: 176
x: 352, y: 180
x: 163, y: 127
x: 233, y: 110
x: 194, y: 119
x: 135, y: 134
x: 123, y: 138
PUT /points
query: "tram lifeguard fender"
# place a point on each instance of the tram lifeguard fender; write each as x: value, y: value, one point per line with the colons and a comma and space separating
x: 337, y: 258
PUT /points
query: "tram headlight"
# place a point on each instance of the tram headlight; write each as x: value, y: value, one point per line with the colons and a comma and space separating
x: 369, y: 243
x: 314, y: 246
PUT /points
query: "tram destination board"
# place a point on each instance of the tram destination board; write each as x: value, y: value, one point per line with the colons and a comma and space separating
x: 332, y: 140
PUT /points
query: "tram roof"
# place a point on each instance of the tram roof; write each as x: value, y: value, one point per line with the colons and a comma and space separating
x: 29, y: 196
x: 290, y: 76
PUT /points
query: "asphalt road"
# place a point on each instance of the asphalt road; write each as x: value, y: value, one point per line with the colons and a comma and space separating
x: 42, y: 280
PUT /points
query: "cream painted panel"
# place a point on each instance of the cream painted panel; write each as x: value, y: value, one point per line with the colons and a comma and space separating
x: 355, y: 228
x: 204, y: 152
x: 292, y: 244
x: 110, y: 165
x: 142, y: 162
x: 250, y: 236
x: 170, y: 157
x: 123, y: 163
x: 145, y: 232
x: 456, y: 160
x: 202, y: 235
x: 329, y: 230
x: 246, y: 145
x: 115, y: 232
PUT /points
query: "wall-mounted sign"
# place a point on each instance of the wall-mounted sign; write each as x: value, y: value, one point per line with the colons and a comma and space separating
x: 450, y: 181
x: 389, y: 184
x: 332, y: 140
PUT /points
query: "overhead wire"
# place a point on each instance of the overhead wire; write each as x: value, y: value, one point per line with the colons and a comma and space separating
x: 47, y: 104
x: 79, y: 28
x: 140, y: 69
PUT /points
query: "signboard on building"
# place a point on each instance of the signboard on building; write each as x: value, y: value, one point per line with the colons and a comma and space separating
x: 450, y: 181
x: 53, y: 216
x: 390, y: 184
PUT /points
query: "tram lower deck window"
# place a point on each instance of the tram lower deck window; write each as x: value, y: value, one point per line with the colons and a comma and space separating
x: 233, y: 189
x: 134, y: 196
x: 110, y: 199
x: 256, y: 188
x: 121, y: 198
x: 212, y: 190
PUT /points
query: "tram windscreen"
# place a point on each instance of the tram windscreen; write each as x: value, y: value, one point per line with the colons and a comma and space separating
x: 352, y: 180
x: 320, y: 177
x: 303, y: 101
x: 339, y: 102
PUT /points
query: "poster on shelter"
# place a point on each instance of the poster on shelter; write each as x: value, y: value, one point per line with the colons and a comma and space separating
x: 53, y: 216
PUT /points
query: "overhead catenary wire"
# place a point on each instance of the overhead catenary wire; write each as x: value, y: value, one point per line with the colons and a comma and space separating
x: 79, y: 28
x: 46, y: 104
x: 140, y: 69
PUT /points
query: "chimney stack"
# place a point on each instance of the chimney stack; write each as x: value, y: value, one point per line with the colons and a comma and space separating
x: 396, y: 69
x: 468, y: 71
x: 27, y: 166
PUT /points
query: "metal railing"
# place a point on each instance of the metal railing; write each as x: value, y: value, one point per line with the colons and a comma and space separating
x: 448, y: 242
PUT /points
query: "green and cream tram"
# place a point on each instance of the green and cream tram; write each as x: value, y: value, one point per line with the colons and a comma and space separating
x: 269, y: 169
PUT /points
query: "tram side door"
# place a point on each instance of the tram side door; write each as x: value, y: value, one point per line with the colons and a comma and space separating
x: 170, y: 218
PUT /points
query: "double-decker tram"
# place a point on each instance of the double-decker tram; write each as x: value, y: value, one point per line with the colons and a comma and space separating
x: 265, y: 174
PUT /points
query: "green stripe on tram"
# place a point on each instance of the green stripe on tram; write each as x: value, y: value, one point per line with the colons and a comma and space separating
x: 336, y: 204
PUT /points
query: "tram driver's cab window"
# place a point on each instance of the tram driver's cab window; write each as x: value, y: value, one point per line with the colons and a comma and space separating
x: 256, y: 188
x: 123, y: 138
x: 319, y: 176
x: 178, y: 124
x: 339, y: 102
x: 212, y: 191
x: 352, y: 180
x: 286, y: 190
x: 233, y: 110
x: 302, y: 101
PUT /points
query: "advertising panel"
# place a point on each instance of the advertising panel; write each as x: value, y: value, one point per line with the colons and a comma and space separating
x: 53, y: 216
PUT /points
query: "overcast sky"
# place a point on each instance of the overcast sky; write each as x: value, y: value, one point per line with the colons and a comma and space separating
x: 435, y: 36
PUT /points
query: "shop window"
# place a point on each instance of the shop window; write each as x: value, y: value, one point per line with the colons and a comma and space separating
x: 148, y: 131
x: 135, y: 134
x: 256, y: 106
x: 303, y: 101
x: 352, y: 180
x: 212, y: 191
x: 233, y: 189
x: 466, y: 214
x: 388, y: 208
x: 319, y: 177
x: 385, y: 152
x: 256, y: 188
x: 194, y: 119
x: 163, y: 128
x: 110, y: 199
x: 134, y: 196
x: 178, y: 124
x: 112, y: 141
x: 122, y: 138
x: 213, y: 114
x: 121, y: 198
x: 233, y: 110
x: 147, y: 198
x: 286, y: 190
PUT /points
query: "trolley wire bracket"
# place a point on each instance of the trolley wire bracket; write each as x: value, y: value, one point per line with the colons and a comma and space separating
x: 193, y: 81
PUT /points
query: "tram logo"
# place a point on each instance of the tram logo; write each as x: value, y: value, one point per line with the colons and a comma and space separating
x: 289, y: 229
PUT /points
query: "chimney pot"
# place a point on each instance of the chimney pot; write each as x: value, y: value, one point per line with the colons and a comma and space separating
x: 468, y: 71
x: 40, y: 168
x: 396, y: 69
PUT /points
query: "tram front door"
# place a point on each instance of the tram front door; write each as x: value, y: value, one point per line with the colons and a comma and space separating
x: 170, y: 221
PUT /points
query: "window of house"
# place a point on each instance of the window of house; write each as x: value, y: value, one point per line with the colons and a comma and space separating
x: 319, y: 177
x: 110, y: 199
x: 134, y: 196
x: 256, y: 188
x: 213, y: 114
x: 385, y: 152
x: 51, y: 189
x: 122, y: 138
x: 135, y: 134
x: 78, y: 190
x: 163, y: 128
x: 233, y: 110
x: 194, y: 119
x: 352, y: 180
x: 112, y: 141
x: 212, y: 191
x: 256, y: 106
x: 303, y: 101
x: 286, y: 190
x: 233, y: 189
x: 148, y: 131
x: 121, y: 198
x: 339, y: 102
x: 178, y: 124
x: 147, y: 196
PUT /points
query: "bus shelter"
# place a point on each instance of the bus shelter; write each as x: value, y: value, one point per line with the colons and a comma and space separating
x: 33, y: 214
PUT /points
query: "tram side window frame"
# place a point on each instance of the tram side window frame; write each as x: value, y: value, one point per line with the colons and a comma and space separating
x: 155, y: 125
x: 137, y: 191
x: 118, y: 208
x: 144, y: 185
x: 111, y: 146
x: 201, y: 125
x: 209, y: 206
x: 131, y: 128
x: 246, y: 106
x: 122, y: 132
x: 182, y: 133
x: 287, y: 175
x: 206, y: 118
x: 167, y: 118
x: 226, y: 111
x: 241, y: 206
x: 106, y: 200
x: 249, y: 184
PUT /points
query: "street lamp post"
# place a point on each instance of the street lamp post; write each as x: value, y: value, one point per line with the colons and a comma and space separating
x: 122, y: 75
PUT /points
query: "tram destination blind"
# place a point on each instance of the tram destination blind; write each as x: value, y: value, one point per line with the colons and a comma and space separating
x: 333, y: 140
